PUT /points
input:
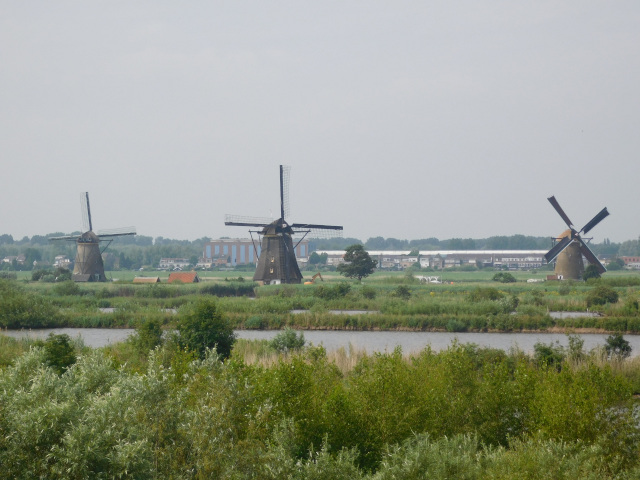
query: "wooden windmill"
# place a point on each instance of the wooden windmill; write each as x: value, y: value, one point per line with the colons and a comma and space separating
x: 570, y: 247
x: 277, y: 261
x: 88, y: 263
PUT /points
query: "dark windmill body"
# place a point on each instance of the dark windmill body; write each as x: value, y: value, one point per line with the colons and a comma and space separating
x: 89, y: 266
x: 570, y: 247
x: 277, y: 261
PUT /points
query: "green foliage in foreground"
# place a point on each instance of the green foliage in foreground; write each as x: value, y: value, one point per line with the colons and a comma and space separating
x: 464, y: 413
x: 19, y: 309
x: 203, y: 327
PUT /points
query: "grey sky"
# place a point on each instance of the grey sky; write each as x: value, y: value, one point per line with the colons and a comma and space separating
x: 399, y: 119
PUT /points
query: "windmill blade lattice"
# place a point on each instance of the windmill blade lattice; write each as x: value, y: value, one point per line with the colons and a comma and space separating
x: 277, y: 262
x: 86, y: 212
x: 285, y: 174
x: 572, y: 261
x: 595, y: 220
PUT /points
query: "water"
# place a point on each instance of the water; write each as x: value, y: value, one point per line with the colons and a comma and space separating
x: 369, y: 341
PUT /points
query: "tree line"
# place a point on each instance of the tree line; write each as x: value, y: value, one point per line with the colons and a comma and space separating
x: 133, y: 252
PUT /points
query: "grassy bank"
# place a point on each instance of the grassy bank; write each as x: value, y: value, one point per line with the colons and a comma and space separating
x: 471, y: 301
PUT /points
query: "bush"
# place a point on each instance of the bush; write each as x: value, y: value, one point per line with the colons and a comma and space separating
x: 148, y: 335
x: 204, y: 327
x: 402, y: 291
x: 331, y: 293
x: 287, y: 341
x: 66, y: 288
x: 21, y: 310
x: 504, y: 277
x: 551, y: 355
x: 590, y: 273
x: 368, y: 292
x: 480, y: 294
x: 59, y: 352
x: 617, y: 346
x: 601, y: 295
x: 254, y: 323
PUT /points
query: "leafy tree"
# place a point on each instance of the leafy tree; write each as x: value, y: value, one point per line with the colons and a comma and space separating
x: 59, y: 352
x: 402, y: 291
x: 617, y: 346
x: 616, y: 264
x: 358, y: 264
x: 601, y: 295
x: 318, y: 259
x: 551, y: 355
x: 504, y: 277
x: 590, y: 272
x: 148, y: 335
x: 32, y: 255
x: 287, y: 341
x: 204, y: 327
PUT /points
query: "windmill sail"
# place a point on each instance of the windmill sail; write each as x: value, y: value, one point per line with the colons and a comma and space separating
x: 88, y: 266
x: 570, y: 247
x: 277, y: 262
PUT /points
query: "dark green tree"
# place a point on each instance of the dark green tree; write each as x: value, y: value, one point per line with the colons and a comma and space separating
x: 590, y: 272
x: 358, y: 264
x: 616, y: 264
x: 601, y: 295
x: 203, y: 327
x: 318, y: 259
x: 59, y: 352
x: 148, y: 335
x: 504, y: 277
x: 287, y: 341
x: 617, y: 346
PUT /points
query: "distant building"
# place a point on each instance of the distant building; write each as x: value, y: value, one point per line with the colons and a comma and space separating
x: 631, y: 262
x: 242, y: 251
x: 62, y: 261
x: 438, y: 260
x: 20, y: 259
x: 173, y: 263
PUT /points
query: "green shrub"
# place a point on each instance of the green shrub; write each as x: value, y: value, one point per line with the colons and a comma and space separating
x: 254, y: 323
x: 504, y: 277
x: 19, y: 309
x: 231, y: 289
x: 480, y: 294
x: 59, y: 351
x: 204, y: 327
x: 402, y: 291
x: 287, y: 341
x: 601, y: 295
x: 336, y: 291
x: 551, y: 355
x: 456, y: 326
x: 68, y: 287
x: 617, y: 346
x: 368, y: 292
x: 148, y: 335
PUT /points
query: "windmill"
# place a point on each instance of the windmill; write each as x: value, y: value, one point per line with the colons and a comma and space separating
x: 277, y: 260
x: 570, y: 246
x: 88, y: 264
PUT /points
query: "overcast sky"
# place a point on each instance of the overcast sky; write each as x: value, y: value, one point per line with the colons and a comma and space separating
x: 406, y: 119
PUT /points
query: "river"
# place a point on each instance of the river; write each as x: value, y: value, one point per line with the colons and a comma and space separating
x: 370, y: 341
